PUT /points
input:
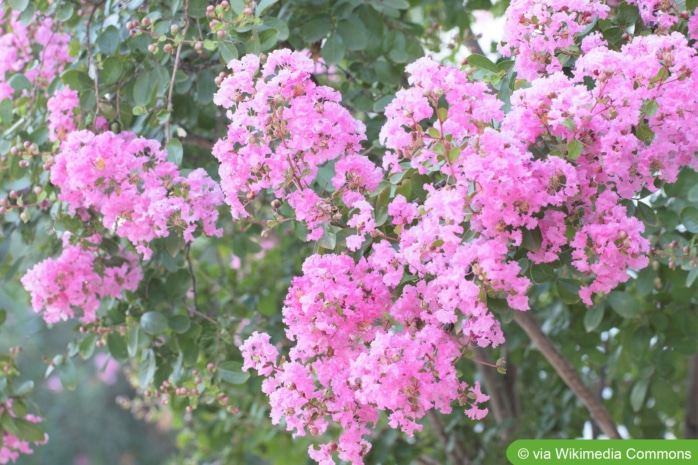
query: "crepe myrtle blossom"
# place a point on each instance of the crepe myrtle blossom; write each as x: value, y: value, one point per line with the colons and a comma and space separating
x: 78, y: 279
x: 129, y: 182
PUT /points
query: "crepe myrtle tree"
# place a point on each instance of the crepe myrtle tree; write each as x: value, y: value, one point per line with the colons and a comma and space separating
x: 290, y: 211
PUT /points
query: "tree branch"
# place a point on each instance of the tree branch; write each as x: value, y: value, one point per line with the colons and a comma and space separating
x: 596, y: 409
x: 500, y: 389
x: 168, y: 133
x: 456, y: 455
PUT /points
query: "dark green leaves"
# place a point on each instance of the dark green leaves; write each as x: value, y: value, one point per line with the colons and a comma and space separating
x: 689, y: 218
x: 18, y: 5
x: 108, y: 40
x: 175, y: 151
x: 594, y: 316
x: 315, y: 29
x: 396, y: 4
x: 333, y: 49
x: 574, y: 149
x: 20, y: 82
x: 568, y: 290
x: 117, y: 347
x: 482, y: 62
x: 21, y: 428
x: 154, y: 323
x: 77, y: 80
x: 111, y: 70
x: 624, y: 304
x: 638, y: 394
x: 231, y: 372
x: 146, y: 369
x: 353, y: 33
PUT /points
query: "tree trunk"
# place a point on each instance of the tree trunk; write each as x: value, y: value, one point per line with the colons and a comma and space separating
x: 596, y: 409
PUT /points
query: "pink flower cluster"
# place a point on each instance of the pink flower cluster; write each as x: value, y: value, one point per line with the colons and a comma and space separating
x: 351, y: 361
x: 633, y: 127
x: 283, y: 128
x: 61, y: 120
x: 128, y: 180
x: 662, y: 14
x: 537, y: 30
x: 38, y: 50
x: 79, y: 278
x: 11, y: 446
x: 361, y: 347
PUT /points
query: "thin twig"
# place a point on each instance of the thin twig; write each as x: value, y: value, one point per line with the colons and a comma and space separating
x: 193, y: 278
x: 456, y: 454
x: 90, y: 64
x: 168, y: 133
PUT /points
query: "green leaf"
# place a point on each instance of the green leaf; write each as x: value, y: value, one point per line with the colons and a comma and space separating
x: 574, y: 149
x: 197, y: 8
x: 175, y: 151
x: 154, y: 323
x: 315, y: 29
x: 354, y: 33
x: 594, y: 316
x: 231, y: 372
x: 647, y: 215
x: 531, y: 239
x: 268, y: 39
x: 132, y: 339
x: 329, y: 238
x: 20, y: 82
x: 454, y: 154
x: 3, y: 316
x: 180, y: 323
x: 644, y: 133
x: 651, y: 107
x: 108, y: 40
x: 228, y: 52
x: 146, y: 369
x: 68, y: 374
x: 263, y: 5
x: 22, y: 429
x: 143, y: 89
x: 28, y: 14
x: 18, y: 5
x: 178, y: 284
x: 568, y: 290
x: 87, y: 346
x: 111, y: 70
x: 333, y: 49
x: 638, y: 394
x: 174, y: 243
x: 65, y: 12
x: 482, y: 62
x: 6, y: 111
x: 23, y: 389
x: 117, y: 347
x: 397, y: 4
x: 689, y: 218
x: 74, y: 48
x: 624, y: 304
x: 693, y: 194
x: 77, y: 80
x: 691, y: 278
x: 279, y: 25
